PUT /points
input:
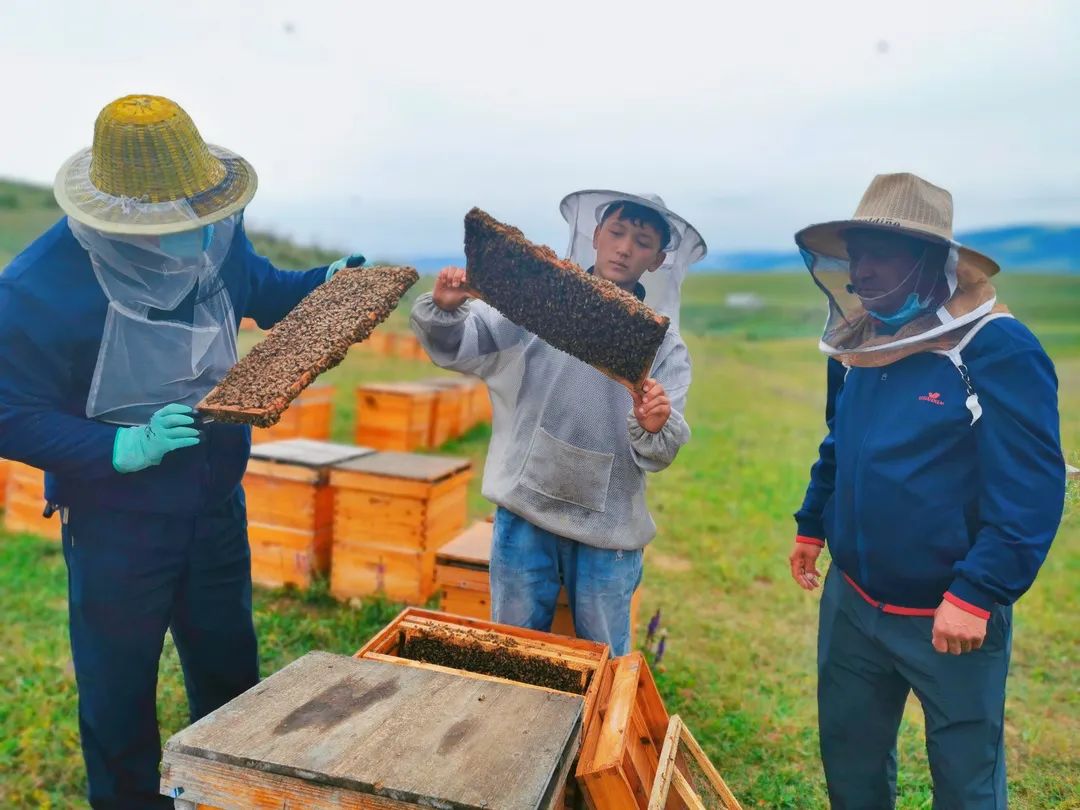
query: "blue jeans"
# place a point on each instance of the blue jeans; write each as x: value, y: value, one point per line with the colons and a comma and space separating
x: 529, y: 565
x: 868, y: 662
x: 131, y: 577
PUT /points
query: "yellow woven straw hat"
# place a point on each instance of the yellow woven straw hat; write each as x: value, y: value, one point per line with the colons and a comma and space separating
x: 900, y: 202
x: 150, y: 172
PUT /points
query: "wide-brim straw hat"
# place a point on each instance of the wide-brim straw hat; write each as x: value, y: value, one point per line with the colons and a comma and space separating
x: 900, y: 202
x: 149, y: 172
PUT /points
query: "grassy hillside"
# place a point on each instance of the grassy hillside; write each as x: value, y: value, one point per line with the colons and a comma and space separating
x: 27, y: 210
x: 740, y: 660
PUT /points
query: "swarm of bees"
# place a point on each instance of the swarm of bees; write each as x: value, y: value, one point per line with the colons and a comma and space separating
x: 311, y: 339
x: 585, y: 316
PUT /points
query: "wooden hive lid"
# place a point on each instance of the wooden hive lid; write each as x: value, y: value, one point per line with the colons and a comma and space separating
x: 317, y: 392
x: 456, y: 382
x: 472, y: 547
x: 409, y: 466
x: 411, y: 388
x: 308, y: 452
x: 371, y: 728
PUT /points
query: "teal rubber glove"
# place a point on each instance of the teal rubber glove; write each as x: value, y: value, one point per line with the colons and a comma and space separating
x: 352, y: 260
x: 142, y: 446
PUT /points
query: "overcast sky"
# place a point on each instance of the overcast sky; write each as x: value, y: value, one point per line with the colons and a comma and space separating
x: 376, y: 125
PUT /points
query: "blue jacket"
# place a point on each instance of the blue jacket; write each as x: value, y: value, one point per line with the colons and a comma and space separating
x: 52, y: 314
x: 915, y: 501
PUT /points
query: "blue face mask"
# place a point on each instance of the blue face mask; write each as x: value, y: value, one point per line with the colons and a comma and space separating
x: 187, y: 244
x: 911, y: 309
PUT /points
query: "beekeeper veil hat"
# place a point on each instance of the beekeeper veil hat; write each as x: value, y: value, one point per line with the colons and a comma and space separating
x: 583, y: 211
x: 952, y: 282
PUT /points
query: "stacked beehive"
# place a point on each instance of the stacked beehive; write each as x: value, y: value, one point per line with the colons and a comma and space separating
x: 290, y: 506
x: 452, y: 410
x: 406, y: 346
x: 308, y: 417
x: 25, y: 503
x: 442, y: 693
x: 394, y: 416
x: 463, y: 581
x: 380, y: 342
x: 392, y: 511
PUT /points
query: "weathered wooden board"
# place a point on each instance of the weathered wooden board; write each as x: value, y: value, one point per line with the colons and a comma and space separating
x: 328, y: 729
x: 409, y: 466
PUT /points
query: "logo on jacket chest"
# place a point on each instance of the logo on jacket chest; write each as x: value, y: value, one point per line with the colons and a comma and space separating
x: 934, y: 398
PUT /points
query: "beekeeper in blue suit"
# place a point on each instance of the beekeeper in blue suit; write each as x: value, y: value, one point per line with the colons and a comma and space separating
x: 938, y: 490
x: 114, y: 323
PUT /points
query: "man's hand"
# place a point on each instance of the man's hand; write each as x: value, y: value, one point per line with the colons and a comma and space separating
x: 652, y: 409
x: 956, y: 631
x: 352, y: 260
x: 449, y: 292
x: 803, y: 562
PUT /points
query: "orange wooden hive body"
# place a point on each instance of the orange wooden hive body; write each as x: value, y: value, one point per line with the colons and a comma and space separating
x: 452, y: 410
x: 621, y: 752
x: 25, y: 502
x: 308, y: 417
x: 394, y: 416
x: 589, y: 658
x: 392, y: 511
x: 463, y: 581
x: 291, y: 509
x: 685, y: 778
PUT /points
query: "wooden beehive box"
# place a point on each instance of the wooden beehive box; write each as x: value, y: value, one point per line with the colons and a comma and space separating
x: 380, y: 342
x: 481, y: 404
x: 394, y: 415
x: 330, y: 731
x: 290, y: 508
x: 621, y: 751
x: 462, y: 579
x: 308, y: 417
x: 685, y: 778
x: 452, y: 410
x: 248, y: 324
x: 428, y: 639
x: 392, y: 511
x: 407, y: 347
x: 25, y: 503
x: 463, y: 582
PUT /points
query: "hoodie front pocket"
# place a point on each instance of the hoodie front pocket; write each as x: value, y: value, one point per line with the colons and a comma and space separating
x: 567, y: 473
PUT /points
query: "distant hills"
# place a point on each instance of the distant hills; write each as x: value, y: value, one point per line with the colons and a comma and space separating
x: 1017, y: 248
x: 26, y: 210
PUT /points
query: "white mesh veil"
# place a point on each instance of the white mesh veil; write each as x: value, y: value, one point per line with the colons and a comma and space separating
x: 582, y: 210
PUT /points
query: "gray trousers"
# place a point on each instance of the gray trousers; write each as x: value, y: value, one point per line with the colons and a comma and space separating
x: 868, y: 662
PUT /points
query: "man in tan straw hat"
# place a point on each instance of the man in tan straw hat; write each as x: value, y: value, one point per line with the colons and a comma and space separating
x: 938, y: 490
x: 114, y: 323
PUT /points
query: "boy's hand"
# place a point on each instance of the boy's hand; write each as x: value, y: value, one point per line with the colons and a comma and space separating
x: 449, y: 293
x: 653, y: 408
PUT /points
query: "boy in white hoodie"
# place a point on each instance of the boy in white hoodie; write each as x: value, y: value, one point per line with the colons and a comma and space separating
x: 570, y: 447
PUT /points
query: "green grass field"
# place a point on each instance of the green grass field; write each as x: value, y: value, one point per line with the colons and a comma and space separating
x: 740, y: 660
